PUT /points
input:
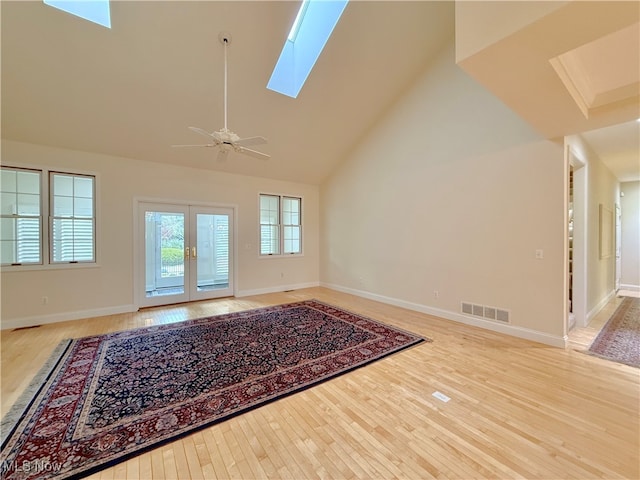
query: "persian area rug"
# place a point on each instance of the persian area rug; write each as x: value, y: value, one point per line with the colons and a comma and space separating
x: 619, y: 340
x: 109, y: 397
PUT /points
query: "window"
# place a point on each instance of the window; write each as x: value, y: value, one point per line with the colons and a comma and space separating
x: 280, y: 225
x: 269, y: 225
x: 291, y: 225
x: 67, y: 200
x: 72, y: 218
x: 20, y: 217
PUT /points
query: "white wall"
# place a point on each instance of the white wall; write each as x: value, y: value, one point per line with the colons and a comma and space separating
x: 77, y: 293
x: 451, y: 192
x: 630, y: 248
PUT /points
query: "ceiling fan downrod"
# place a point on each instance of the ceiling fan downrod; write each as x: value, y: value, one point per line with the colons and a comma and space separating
x: 225, y: 139
x: 225, y: 39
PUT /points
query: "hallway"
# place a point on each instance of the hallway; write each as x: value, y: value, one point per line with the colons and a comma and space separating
x: 581, y: 338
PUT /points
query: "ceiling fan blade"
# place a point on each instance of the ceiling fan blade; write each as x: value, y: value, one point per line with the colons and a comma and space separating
x: 222, y: 155
x: 245, y: 142
x: 200, y: 131
x: 198, y: 145
x: 253, y: 153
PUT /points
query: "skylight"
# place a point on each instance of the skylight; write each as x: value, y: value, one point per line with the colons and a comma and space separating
x: 298, y: 21
x: 311, y: 29
x: 96, y: 11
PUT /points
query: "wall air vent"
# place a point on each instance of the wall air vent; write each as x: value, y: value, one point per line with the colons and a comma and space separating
x: 484, y: 311
x: 490, y: 312
x: 502, y: 316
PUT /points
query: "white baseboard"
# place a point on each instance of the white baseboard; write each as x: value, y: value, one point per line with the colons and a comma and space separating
x: 631, y: 288
x: 100, y: 312
x: 63, y: 317
x: 279, y: 288
x: 595, y: 310
x: 520, y: 332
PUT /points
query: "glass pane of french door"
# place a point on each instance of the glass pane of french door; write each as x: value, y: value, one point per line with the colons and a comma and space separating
x: 163, y: 254
x: 212, y: 230
x: 185, y: 253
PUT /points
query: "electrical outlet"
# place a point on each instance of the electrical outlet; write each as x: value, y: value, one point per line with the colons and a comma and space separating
x: 45, y: 300
x: 436, y: 294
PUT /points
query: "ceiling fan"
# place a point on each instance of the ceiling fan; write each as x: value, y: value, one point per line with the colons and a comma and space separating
x: 226, y: 140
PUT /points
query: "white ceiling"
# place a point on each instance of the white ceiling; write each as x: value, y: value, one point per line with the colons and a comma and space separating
x: 133, y: 90
x: 618, y: 147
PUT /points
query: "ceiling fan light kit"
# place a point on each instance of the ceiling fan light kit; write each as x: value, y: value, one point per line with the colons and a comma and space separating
x: 224, y: 139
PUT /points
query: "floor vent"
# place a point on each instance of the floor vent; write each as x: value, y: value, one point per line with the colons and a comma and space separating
x: 484, y: 311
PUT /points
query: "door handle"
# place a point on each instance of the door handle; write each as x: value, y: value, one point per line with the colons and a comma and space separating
x: 193, y: 252
x: 186, y: 253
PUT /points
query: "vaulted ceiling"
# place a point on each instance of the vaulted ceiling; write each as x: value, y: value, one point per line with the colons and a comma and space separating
x: 132, y: 90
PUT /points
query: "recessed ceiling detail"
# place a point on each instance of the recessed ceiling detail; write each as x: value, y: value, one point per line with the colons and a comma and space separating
x: 572, y: 67
x: 602, y: 72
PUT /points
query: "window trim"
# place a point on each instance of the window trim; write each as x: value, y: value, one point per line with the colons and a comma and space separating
x: 281, y: 226
x: 45, y: 211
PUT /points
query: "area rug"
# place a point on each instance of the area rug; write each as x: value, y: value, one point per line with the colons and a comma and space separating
x: 109, y: 397
x: 619, y: 340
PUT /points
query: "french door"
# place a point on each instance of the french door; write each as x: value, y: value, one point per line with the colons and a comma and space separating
x: 185, y: 253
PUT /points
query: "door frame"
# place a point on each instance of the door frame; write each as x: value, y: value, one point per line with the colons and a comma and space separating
x: 618, y: 241
x: 135, y: 251
x: 580, y: 203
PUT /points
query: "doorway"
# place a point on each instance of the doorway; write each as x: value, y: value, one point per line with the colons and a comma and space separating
x: 618, y: 246
x: 185, y: 253
x: 577, y: 241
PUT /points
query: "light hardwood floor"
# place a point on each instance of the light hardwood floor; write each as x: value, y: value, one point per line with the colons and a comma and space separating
x: 518, y: 409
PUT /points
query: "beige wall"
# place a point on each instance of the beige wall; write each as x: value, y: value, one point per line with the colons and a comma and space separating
x: 602, y: 190
x: 451, y: 192
x: 74, y: 293
x: 630, y: 248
